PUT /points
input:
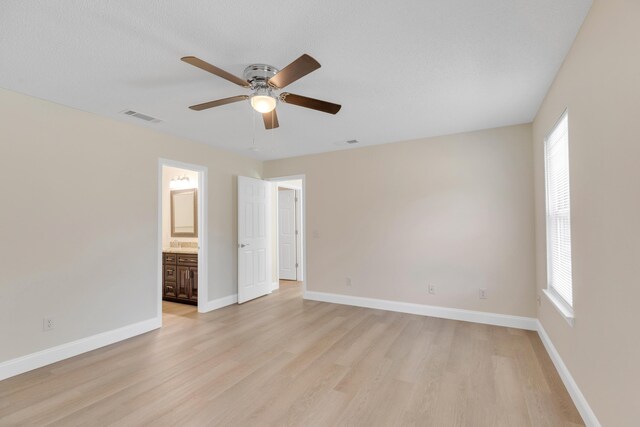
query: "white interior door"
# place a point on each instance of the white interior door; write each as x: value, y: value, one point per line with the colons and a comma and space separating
x: 287, y: 250
x: 254, y: 260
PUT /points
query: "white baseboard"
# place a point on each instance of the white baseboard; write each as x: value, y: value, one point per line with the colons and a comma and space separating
x: 45, y: 357
x: 275, y: 285
x: 588, y: 416
x: 219, y: 303
x: 518, y: 322
x: 51, y: 355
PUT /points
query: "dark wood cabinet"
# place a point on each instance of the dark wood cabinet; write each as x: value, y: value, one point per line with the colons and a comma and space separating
x: 193, y: 281
x: 180, y: 278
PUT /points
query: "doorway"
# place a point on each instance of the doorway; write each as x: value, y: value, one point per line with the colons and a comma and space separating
x: 289, y: 235
x: 258, y: 254
x: 182, y: 225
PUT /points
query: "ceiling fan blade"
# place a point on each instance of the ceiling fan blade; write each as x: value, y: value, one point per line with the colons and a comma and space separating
x: 219, y: 102
x: 314, y: 104
x: 270, y: 120
x: 292, y: 72
x: 215, y: 70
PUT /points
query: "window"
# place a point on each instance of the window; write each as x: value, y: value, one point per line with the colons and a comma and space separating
x: 556, y: 153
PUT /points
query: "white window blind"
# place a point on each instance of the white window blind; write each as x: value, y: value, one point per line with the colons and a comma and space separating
x: 556, y: 149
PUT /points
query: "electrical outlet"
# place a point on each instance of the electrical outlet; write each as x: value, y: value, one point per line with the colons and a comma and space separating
x: 48, y: 324
x: 483, y: 293
x: 432, y: 289
x: 348, y: 281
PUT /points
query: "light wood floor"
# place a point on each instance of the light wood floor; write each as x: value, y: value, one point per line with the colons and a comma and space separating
x: 280, y: 360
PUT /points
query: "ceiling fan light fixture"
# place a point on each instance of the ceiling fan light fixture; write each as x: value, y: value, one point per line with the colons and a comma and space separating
x: 263, y: 101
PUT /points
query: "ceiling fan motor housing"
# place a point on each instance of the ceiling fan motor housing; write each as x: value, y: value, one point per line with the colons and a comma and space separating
x: 258, y: 75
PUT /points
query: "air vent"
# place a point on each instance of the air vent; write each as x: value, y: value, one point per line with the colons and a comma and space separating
x: 343, y: 142
x: 141, y: 116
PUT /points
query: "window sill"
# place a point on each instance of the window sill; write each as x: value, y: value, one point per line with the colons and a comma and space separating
x: 561, y: 306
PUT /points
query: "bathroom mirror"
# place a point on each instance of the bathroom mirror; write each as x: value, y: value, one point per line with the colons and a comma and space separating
x: 184, y: 213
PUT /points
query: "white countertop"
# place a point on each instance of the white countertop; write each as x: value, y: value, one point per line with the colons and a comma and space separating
x: 181, y: 250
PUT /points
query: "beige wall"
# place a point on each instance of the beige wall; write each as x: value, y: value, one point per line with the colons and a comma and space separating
x: 600, y: 84
x: 79, y: 221
x: 169, y: 172
x: 455, y: 211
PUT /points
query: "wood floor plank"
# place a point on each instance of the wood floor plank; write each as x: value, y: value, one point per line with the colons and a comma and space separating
x: 283, y: 361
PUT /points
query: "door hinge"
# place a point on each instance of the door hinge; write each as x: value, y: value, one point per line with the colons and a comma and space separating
x: 296, y: 199
x: 296, y: 232
x: 297, y: 265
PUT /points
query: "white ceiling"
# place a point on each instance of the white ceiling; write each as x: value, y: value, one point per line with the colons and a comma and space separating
x: 401, y: 70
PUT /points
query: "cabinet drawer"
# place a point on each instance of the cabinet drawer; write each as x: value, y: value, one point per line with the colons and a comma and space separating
x: 170, y: 273
x: 188, y: 259
x: 170, y: 289
x: 168, y: 258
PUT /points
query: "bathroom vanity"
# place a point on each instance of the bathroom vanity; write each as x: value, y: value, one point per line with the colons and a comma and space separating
x: 180, y: 278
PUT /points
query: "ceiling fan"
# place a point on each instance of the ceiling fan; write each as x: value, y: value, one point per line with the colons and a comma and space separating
x: 265, y: 80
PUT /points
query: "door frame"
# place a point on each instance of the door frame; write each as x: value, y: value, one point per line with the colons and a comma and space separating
x: 303, y: 217
x: 203, y: 238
